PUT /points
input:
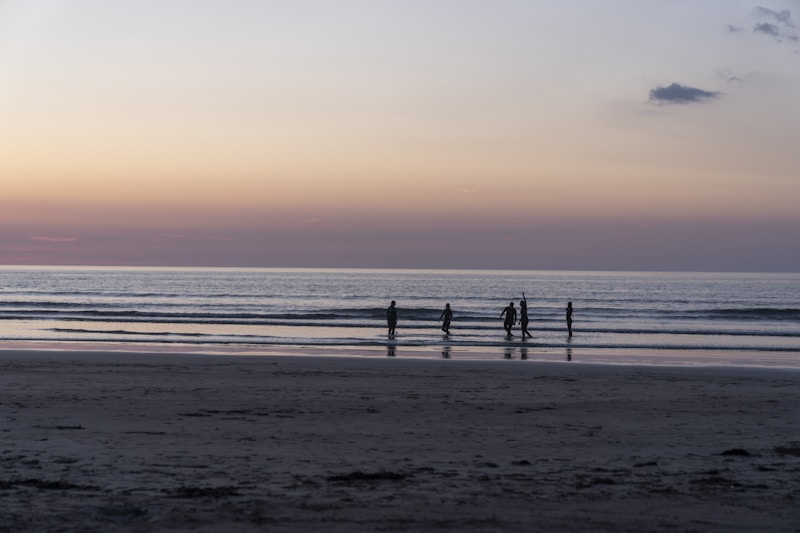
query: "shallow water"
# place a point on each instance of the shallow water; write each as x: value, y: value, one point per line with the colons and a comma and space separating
x: 694, y: 318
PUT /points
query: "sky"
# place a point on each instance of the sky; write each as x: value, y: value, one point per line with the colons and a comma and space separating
x: 522, y: 134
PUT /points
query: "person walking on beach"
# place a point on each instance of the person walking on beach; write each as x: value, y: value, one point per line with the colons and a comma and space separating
x: 447, y: 316
x: 511, y: 318
x: 569, y: 318
x: 523, y: 317
x: 391, y: 318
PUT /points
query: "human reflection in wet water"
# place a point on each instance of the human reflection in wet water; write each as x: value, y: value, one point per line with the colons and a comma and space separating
x: 569, y: 349
x: 445, y: 352
x: 390, y: 351
x: 508, y: 352
x: 523, y: 352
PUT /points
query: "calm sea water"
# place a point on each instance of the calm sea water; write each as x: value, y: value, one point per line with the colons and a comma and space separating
x: 619, y: 317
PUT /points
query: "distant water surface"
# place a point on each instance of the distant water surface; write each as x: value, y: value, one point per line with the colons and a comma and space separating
x: 685, y: 318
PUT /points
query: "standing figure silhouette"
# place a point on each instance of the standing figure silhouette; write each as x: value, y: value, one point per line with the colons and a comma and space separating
x: 447, y: 316
x: 523, y: 317
x: 391, y: 318
x: 511, y: 318
x: 569, y: 318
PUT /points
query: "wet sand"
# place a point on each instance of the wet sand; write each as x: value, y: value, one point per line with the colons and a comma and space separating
x: 95, y: 441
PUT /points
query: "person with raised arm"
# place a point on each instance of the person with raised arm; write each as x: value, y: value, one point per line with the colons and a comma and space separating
x: 523, y: 317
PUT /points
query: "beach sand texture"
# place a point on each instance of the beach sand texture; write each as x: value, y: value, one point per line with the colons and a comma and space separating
x: 137, y: 442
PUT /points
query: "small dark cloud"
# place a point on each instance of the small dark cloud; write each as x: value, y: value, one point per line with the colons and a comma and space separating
x: 775, y: 32
x: 681, y: 94
x: 783, y: 18
x: 779, y: 25
x: 730, y: 28
x: 767, y: 29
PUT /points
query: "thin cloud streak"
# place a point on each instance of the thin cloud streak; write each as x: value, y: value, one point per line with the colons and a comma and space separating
x: 54, y: 239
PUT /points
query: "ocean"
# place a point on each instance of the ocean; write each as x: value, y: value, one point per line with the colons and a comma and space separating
x: 619, y: 317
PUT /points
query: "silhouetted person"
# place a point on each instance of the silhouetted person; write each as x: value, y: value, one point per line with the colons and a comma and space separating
x: 523, y: 317
x: 511, y: 318
x: 391, y: 318
x: 447, y: 316
x: 569, y: 318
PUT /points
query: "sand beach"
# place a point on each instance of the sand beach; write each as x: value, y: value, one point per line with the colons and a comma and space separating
x: 110, y: 441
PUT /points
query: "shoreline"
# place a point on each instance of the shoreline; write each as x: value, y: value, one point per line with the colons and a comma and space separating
x: 375, y: 359
x: 513, y: 351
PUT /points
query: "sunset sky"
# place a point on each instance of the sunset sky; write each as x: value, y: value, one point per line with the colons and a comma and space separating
x: 622, y: 134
